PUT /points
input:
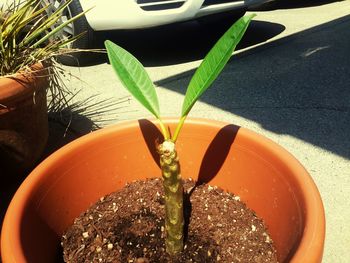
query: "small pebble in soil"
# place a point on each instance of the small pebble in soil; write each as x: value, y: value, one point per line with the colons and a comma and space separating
x: 127, y: 226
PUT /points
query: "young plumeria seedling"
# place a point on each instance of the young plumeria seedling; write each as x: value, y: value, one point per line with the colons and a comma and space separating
x: 136, y: 80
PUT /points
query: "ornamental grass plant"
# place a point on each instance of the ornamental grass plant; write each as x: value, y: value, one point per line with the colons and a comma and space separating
x: 29, y: 34
x: 32, y: 82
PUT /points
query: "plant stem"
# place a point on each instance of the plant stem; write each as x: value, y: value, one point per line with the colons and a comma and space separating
x: 178, y: 128
x: 164, y: 130
x: 173, y: 189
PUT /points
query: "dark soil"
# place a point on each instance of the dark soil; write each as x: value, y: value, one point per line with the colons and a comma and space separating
x: 127, y: 226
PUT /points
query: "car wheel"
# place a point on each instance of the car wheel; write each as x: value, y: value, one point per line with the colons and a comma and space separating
x: 79, y: 26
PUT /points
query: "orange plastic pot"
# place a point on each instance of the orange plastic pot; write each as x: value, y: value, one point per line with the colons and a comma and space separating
x: 269, y: 179
x: 23, y: 120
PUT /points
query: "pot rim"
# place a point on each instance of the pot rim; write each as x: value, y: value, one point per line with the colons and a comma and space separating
x: 20, y: 83
x: 313, y: 233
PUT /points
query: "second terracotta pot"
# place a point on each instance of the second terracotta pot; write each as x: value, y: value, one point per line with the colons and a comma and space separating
x: 23, y: 120
x: 270, y: 180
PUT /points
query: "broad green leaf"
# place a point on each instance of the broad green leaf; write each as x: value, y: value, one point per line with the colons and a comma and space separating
x: 214, y: 62
x: 133, y: 76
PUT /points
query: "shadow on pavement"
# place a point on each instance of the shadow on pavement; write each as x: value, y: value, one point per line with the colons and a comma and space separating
x: 298, y: 85
x: 190, y: 41
x: 288, y: 4
x: 68, y: 121
x: 179, y: 43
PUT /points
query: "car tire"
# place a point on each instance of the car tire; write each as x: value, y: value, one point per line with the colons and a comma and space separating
x: 85, y: 41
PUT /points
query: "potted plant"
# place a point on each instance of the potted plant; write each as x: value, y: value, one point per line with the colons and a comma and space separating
x: 264, y: 175
x: 135, y: 79
x: 28, y: 70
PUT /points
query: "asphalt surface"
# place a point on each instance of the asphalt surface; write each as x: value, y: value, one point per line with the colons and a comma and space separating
x: 289, y: 80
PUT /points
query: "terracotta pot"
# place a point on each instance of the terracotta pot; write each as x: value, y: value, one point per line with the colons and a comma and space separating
x: 269, y: 179
x: 23, y: 120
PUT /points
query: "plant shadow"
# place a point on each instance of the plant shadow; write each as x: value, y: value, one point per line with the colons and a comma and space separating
x: 217, y: 153
x: 212, y: 162
x: 152, y: 137
x: 70, y: 119
x: 287, y: 4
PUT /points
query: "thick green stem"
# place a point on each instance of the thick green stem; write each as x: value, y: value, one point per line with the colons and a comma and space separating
x: 173, y: 190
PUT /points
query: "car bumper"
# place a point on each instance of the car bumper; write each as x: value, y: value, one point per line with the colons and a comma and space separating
x: 127, y: 14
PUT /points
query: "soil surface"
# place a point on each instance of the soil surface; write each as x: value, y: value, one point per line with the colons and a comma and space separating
x: 127, y: 226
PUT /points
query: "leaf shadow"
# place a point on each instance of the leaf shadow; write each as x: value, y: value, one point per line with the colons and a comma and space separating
x: 216, y: 153
x: 152, y: 136
x: 212, y: 162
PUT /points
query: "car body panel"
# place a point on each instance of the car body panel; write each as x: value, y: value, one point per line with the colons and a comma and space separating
x: 128, y: 14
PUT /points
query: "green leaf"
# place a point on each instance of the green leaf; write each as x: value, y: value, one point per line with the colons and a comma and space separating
x: 133, y: 76
x: 214, y: 62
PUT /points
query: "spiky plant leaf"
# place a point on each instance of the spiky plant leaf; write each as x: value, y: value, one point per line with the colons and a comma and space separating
x: 27, y: 31
x: 133, y: 76
x: 214, y: 62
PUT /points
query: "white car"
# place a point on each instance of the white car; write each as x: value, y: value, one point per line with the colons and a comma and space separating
x: 136, y: 14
